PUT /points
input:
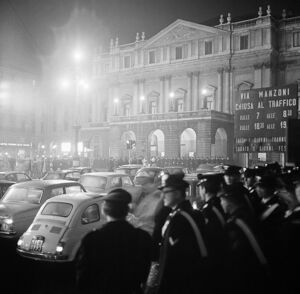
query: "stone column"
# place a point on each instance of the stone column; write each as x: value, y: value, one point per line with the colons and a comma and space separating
x: 195, y: 97
x: 162, y: 95
x: 226, y: 106
x: 267, y: 75
x: 219, y: 98
x: 257, y: 75
x: 189, y: 97
x: 136, y: 98
x: 110, y: 102
x: 168, y: 54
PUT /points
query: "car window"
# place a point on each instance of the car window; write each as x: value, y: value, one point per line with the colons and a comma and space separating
x: 72, y: 175
x: 56, y: 191
x: 23, y: 195
x: 115, y: 182
x: 93, y: 181
x: 11, y: 177
x: 122, y: 171
x: 57, y: 209
x: 53, y: 176
x: 90, y: 215
x: 22, y: 177
x: 2, y: 176
x: 126, y: 181
x: 73, y: 189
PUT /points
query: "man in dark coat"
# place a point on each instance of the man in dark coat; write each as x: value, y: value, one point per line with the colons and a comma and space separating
x: 116, y: 258
x: 183, y: 255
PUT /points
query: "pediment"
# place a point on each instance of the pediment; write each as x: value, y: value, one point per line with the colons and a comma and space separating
x: 179, y: 31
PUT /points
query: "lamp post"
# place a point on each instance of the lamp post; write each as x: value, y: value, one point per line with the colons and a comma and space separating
x: 79, y: 84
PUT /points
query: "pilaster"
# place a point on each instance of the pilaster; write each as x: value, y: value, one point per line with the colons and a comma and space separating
x: 219, y: 104
x: 189, y: 91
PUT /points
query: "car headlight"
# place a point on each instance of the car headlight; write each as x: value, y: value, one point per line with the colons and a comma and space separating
x: 20, y: 241
x: 60, y: 247
x: 7, y: 224
x: 8, y: 221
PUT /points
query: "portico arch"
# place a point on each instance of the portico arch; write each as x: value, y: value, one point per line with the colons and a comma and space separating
x: 156, y: 143
x: 188, y: 143
x: 220, y: 149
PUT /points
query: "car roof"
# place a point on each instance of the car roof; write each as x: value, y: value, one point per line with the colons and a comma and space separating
x: 103, y: 174
x: 130, y: 165
x: 11, y: 172
x: 151, y: 168
x: 7, y: 182
x: 41, y: 184
x: 75, y: 198
x: 60, y: 171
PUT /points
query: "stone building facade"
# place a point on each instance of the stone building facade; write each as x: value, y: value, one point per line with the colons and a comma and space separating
x: 174, y: 93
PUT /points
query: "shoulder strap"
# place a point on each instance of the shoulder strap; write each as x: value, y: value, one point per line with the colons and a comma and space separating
x: 219, y: 215
x: 268, y: 211
x: 252, y: 240
x: 199, y: 237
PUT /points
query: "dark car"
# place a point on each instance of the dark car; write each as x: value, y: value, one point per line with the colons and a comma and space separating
x: 22, y: 201
x: 15, y: 176
x: 148, y: 175
x: 128, y: 169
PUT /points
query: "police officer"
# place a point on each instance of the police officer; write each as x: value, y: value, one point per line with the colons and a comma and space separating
x: 183, y: 253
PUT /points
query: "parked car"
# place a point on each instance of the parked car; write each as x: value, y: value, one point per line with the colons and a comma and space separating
x: 4, y: 185
x: 103, y: 182
x: 60, y: 225
x: 67, y: 174
x: 176, y: 169
x: 14, y: 176
x: 128, y: 169
x: 22, y: 201
x: 82, y: 169
x: 148, y: 175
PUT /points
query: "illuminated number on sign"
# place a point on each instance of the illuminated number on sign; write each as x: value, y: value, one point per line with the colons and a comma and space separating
x: 284, y: 113
x: 257, y: 115
x: 283, y: 124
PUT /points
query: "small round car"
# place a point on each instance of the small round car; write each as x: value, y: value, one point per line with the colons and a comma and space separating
x: 59, y: 226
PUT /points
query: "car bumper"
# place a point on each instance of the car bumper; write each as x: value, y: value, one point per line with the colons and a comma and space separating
x: 43, y: 256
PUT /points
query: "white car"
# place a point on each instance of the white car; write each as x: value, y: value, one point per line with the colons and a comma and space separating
x: 60, y: 225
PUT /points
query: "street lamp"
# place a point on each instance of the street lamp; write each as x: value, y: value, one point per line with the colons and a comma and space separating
x: 172, y: 95
x: 116, y: 102
x: 142, y: 99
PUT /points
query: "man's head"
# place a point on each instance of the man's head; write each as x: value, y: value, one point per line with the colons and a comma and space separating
x: 232, y: 175
x: 209, y: 186
x: 249, y: 177
x: 173, y: 188
x: 266, y: 186
x: 116, y: 204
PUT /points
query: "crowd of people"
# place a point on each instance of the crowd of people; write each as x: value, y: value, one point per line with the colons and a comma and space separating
x: 240, y: 236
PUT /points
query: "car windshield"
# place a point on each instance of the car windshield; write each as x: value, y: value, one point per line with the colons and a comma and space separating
x: 53, y: 176
x: 147, y: 173
x: 127, y: 171
x: 57, y: 209
x: 23, y: 195
x: 2, y: 176
x: 94, y: 181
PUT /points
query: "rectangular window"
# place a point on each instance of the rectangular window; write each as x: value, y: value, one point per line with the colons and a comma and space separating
x: 178, y: 52
x: 127, y: 61
x: 244, y: 44
x: 296, y: 39
x: 180, y: 105
x: 151, y: 57
x: 153, y: 107
x: 208, y: 47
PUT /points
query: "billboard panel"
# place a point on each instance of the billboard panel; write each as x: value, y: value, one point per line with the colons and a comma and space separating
x: 261, y: 117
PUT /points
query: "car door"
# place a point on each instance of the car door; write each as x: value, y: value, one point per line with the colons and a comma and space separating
x: 136, y: 192
x: 51, y: 192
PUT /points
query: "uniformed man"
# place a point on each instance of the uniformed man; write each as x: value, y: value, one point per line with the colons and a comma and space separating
x: 183, y: 254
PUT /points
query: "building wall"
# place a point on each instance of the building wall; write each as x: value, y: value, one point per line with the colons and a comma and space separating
x: 269, y: 58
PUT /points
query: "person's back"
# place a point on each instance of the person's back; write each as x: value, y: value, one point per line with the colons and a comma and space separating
x: 116, y: 258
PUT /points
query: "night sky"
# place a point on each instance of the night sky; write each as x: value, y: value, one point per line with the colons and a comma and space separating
x: 99, y: 20
x: 123, y: 18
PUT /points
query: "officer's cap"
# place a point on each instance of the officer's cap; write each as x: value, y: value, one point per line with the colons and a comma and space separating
x: 175, y: 181
x: 118, y: 196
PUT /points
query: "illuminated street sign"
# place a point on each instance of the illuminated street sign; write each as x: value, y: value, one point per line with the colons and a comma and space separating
x: 261, y: 118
